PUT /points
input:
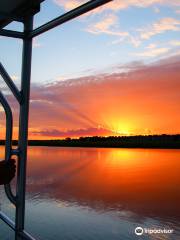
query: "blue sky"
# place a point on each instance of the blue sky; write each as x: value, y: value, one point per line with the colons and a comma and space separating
x: 119, y: 33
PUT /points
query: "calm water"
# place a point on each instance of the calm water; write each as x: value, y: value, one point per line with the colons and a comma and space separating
x: 99, y: 194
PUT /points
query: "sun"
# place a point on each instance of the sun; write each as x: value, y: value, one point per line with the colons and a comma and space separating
x: 123, y: 132
x: 121, y: 128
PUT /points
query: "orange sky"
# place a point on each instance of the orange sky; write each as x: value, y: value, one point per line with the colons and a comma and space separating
x: 143, y: 100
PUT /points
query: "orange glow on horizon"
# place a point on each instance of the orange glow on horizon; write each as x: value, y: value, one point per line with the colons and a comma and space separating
x: 142, y: 102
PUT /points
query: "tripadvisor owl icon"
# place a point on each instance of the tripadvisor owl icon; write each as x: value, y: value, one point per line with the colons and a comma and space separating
x: 139, y: 231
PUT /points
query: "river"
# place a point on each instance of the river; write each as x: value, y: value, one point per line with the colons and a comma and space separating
x: 99, y: 194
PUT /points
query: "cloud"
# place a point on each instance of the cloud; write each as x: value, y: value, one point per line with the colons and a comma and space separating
x: 125, y: 102
x: 74, y: 133
x: 124, y: 4
x: 116, y: 5
x: 163, y: 25
x: 70, y: 4
x: 153, y: 52
x: 104, y: 24
x: 110, y: 25
x: 129, y: 99
x: 151, y: 46
x: 120, y: 5
x: 107, y: 26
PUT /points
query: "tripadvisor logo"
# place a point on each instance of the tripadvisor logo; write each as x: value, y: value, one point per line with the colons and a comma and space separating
x: 140, y: 231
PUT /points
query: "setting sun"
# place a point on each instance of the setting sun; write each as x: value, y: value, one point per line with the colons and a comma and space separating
x: 121, y: 129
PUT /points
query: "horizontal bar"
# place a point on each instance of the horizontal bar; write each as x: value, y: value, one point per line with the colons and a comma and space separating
x: 68, y: 16
x: 11, y: 33
x: 7, y: 220
x: 10, y: 83
x: 26, y: 235
x: 11, y: 224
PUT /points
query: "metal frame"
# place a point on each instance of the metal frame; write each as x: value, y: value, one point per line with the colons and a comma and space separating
x: 22, y: 98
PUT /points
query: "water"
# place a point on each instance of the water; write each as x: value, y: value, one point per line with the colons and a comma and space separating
x: 99, y: 194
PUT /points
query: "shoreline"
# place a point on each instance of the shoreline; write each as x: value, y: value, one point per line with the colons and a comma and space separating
x: 149, y: 141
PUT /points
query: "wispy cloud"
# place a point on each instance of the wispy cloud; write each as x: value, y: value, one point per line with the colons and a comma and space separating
x: 74, y: 133
x: 153, y: 52
x: 135, y: 41
x: 104, y: 25
x: 161, y: 26
x: 117, y: 4
x: 110, y: 22
x: 107, y: 26
x: 69, y: 4
x: 151, y: 46
x: 110, y: 25
x: 124, y: 4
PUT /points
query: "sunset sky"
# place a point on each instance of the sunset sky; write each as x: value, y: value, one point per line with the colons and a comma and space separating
x: 114, y: 71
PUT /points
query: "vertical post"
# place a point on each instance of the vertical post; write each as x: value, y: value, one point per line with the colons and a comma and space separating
x: 23, y: 127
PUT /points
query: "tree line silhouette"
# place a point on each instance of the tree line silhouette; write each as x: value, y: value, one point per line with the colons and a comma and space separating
x: 140, y: 141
